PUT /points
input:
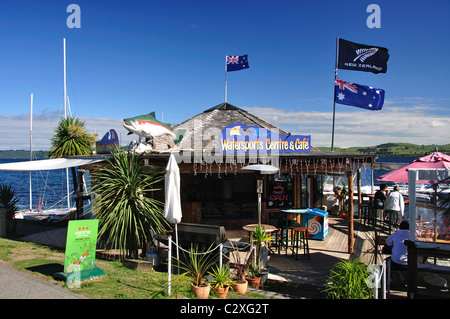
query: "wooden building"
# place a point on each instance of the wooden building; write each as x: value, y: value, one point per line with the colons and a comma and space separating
x: 216, y: 144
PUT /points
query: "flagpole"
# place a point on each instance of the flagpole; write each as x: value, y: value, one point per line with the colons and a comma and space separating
x: 225, y: 79
x: 334, y: 97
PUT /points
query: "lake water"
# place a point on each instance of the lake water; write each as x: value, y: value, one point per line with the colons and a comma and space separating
x: 50, y: 186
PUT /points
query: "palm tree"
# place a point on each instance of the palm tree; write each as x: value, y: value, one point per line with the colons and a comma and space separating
x: 70, y: 138
x: 124, y: 205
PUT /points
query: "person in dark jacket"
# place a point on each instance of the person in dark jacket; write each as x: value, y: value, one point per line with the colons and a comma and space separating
x: 380, y: 196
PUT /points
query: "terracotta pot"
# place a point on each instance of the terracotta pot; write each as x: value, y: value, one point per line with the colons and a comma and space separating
x: 201, y: 292
x: 222, y: 292
x: 240, y: 286
x: 253, y: 281
x: 343, y: 214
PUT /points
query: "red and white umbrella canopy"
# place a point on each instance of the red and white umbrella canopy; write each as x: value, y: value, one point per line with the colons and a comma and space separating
x: 435, y: 160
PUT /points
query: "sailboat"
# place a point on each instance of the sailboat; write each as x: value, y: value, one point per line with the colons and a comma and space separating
x: 51, y: 214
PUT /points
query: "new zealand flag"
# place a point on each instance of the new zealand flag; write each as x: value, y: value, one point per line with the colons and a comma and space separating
x: 362, y: 57
x: 237, y: 62
x: 362, y: 96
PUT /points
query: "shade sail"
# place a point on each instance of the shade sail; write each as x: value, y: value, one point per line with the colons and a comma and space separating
x: 435, y: 160
x: 48, y: 164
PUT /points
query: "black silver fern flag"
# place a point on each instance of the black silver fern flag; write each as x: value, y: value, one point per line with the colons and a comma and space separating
x: 361, y: 57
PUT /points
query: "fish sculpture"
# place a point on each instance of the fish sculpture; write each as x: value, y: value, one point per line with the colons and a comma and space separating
x: 147, y: 126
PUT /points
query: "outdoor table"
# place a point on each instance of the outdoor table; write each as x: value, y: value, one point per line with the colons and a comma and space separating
x: 297, y: 211
x: 267, y: 228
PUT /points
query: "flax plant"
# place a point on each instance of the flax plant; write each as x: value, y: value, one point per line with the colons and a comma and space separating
x: 197, y: 264
x: 348, y: 280
x: 127, y: 212
x: 8, y: 201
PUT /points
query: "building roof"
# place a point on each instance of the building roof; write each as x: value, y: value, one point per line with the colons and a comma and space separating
x: 212, y: 121
x: 198, y: 140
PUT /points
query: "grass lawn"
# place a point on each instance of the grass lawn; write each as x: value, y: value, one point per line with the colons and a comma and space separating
x: 42, y: 261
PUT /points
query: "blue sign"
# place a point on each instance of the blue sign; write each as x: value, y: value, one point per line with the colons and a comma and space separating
x: 108, y: 143
x: 241, y: 138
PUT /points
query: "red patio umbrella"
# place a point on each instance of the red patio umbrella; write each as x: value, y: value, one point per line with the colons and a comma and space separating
x: 433, y: 161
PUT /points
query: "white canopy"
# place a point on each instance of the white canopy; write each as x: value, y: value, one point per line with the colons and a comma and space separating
x: 48, y: 164
x: 172, y: 206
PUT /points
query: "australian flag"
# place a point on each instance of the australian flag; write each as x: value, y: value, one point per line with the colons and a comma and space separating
x: 362, y: 96
x: 236, y: 62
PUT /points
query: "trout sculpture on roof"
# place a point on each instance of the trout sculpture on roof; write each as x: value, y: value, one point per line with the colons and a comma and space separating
x: 149, y: 127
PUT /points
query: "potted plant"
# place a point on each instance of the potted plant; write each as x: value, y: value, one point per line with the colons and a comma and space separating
x: 260, y: 238
x: 253, y: 276
x: 343, y: 213
x: 337, y: 191
x: 8, y: 201
x: 240, y: 284
x: 197, y: 265
x: 341, y: 195
x: 221, y: 280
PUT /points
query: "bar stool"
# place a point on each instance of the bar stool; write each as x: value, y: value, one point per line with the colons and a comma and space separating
x: 365, y: 213
x: 276, y: 240
x: 300, y: 237
x: 289, y: 232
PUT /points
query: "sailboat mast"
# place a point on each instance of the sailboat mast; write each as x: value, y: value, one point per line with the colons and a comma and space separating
x: 31, y: 149
x: 65, y: 87
x: 65, y: 116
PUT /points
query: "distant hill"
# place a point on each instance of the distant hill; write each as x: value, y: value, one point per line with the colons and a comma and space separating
x: 392, y: 149
x: 382, y: 150
x: 20, y: 154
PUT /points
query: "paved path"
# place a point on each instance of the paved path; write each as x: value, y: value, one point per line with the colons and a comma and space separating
x: 19, y: 285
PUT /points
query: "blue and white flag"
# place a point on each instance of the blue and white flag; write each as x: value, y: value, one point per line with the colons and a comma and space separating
x: 357, y: 95
x: 236, y: 62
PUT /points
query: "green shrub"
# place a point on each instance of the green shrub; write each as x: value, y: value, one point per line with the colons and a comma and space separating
x: 347, y: 280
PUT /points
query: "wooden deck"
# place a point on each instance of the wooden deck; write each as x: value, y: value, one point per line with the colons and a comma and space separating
x: 311, y: 275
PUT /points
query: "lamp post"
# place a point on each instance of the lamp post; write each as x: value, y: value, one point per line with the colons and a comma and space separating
x: 260, y: 170
x: 259, y: 190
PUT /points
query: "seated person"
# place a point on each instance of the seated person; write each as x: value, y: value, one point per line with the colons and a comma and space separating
x: 399, y: 257
x: 444, y: 228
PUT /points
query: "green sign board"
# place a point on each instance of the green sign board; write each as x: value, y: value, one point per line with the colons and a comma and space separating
x: 81, y: 244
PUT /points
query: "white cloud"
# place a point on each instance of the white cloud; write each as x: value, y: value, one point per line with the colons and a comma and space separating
x: 353, y: 127
x: 412, y: 120
x: 15, y: 130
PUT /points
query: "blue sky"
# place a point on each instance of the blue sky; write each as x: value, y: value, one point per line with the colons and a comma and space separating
x: 134, y: 57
